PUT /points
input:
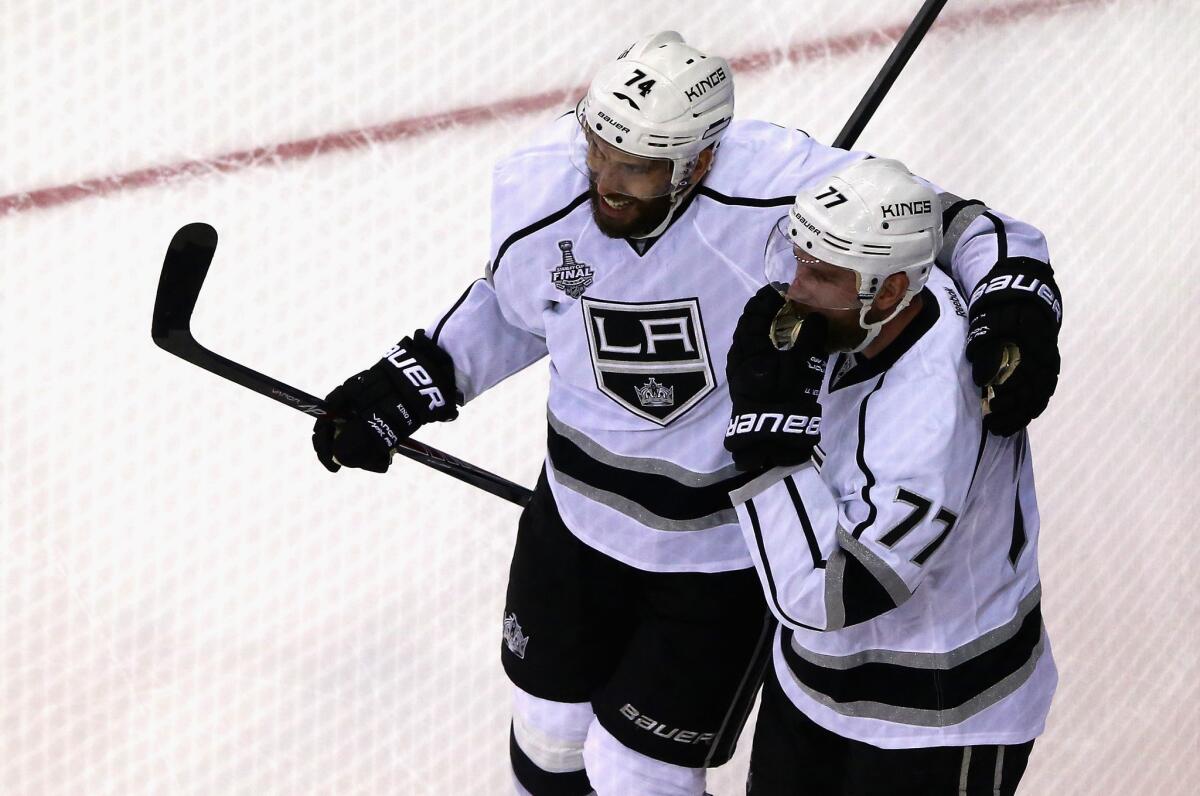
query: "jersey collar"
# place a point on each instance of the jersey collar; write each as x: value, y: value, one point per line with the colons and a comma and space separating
x: 850, y: 369
x: 642, y: 245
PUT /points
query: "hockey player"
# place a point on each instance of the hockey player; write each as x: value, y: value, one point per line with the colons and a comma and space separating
x: 624, y: 244
x: 899, y: 554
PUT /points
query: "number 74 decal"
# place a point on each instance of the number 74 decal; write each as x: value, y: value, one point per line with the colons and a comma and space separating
x: 643, y: 87
x: 921, y: 507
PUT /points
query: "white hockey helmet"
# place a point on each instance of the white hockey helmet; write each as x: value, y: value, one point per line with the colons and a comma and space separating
x: 661, y: 99
x: 873, y: 218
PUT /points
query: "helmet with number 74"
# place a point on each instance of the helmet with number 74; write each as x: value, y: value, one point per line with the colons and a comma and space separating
x: 645, y: 125
x: 847, y: 234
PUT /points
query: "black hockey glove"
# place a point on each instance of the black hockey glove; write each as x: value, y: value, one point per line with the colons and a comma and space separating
x: 776, y: 417
x: 411, y: 386
x: 1016, y: 312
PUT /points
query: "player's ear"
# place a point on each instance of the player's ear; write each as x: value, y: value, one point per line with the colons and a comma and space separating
x: 891, y: 292
x: 703, y: 164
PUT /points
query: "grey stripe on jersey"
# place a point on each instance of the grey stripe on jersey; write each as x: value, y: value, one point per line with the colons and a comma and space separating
x: 639, y: 512
x: 997, y: 773
x: 928, y: 718
x: 835, y: 605
x: 966, y: 769
x: 751, y: 488
x: 955, y: 227
x: 639, y: 464
x: 895, y: 586
x: 928, y: 660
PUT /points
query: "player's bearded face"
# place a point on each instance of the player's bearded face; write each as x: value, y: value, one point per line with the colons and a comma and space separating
x: 828, y: 290
x: 630, y: 195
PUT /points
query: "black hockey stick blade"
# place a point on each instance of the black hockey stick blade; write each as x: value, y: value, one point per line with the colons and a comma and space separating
x: 184, y: 269
x: 891, y: 70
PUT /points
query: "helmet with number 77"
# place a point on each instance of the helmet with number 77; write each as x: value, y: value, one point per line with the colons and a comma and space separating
x: 662, y: 100
x: 873, y: 218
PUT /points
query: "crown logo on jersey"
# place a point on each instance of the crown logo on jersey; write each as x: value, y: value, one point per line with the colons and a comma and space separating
x: 654, y: 394
x: 571, y: 277
x: 513, y: 637
x: 847, y: 363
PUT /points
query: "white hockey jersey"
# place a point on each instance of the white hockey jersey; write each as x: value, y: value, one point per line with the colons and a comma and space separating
x: 637, y: 337
x: 902, y: 561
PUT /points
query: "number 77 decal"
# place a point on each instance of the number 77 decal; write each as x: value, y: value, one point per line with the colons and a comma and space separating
x: 921, y: 507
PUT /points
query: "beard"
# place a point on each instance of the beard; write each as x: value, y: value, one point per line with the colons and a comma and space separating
x: 843, y: 332
x: 640, y: 218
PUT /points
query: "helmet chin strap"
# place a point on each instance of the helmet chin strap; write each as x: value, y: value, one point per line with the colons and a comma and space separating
x: 873, y: 329
x: 681, y: 184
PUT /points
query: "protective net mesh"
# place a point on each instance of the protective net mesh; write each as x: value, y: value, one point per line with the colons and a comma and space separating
x: 190, y: 604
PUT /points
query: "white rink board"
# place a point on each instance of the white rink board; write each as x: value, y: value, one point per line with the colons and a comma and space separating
x: 190, y: 604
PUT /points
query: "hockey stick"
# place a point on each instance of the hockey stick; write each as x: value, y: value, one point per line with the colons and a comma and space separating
x: 184, y: 269
x: 854, y: 126
x: 922, y: 22
x: 895, y: 63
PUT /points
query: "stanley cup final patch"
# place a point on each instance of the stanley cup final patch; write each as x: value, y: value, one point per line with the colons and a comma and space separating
x: 571, y: 277
x: 650, y: 358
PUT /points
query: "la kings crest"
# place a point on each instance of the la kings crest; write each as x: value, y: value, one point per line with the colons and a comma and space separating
x: 651, y: 358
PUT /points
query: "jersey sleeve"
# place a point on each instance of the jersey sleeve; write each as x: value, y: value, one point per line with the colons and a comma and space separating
x: 485, y: 345
x: 769, y: 162
x: 812, y: 162
x: 975, y: 238
x: 496, y: 327
x: 828, y: 561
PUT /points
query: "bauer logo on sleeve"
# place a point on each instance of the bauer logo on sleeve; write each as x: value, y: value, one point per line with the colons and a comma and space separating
x: 652, y: 358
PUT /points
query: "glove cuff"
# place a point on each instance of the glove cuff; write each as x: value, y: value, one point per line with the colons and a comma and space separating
x: 423, y: 374
x: 1019, y: 280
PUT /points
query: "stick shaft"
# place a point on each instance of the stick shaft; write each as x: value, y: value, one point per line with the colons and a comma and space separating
x: 182, y: 344
x: 891, y: 70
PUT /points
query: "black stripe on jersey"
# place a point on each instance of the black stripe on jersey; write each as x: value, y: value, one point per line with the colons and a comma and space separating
x: 805, y: 522
x: 872, y: 511
x: 745, y: 201
x: 934, y: 689
x: 557, y: 215
x: 1018, y: 532
x: 772, y: 592
x: 1019, y: 537
x: 1001, y: 237
x: 798, y: 130
x: 438, y: 329
x: 863, y: 596
x: 642, y: 245
x: 658, y: 494
x: 539, y: 781
x: 983, y: 439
